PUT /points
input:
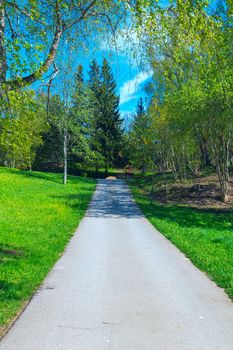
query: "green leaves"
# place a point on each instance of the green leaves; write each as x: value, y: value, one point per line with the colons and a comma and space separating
x: 188, y: 46
x: 21, y: 129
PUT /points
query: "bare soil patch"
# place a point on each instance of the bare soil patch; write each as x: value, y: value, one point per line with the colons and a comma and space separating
x: 201, y: 192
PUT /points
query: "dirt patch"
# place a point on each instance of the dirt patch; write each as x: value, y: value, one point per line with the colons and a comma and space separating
x: 198, y: 193
x: 11, y: 252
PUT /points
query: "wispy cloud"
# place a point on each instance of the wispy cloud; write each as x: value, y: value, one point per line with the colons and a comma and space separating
x: 131, y: 87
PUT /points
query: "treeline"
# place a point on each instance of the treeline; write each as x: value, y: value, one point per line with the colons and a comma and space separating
x: 189, y: 123
x: 82, y: 129
x: 186, y: 124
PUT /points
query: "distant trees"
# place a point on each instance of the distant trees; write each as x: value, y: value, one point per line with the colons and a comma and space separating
x: 141, y: 138
x: 68, y: 137
x: 188, y: 124
x: 82, y: 128
x: 21, y: 127
x: 189, y: 49
x: 107, y: 123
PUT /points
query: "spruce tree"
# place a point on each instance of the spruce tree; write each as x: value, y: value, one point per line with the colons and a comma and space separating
x: 140, y: 110
x: 94, y: 85
x: 81, y: 112
x: 94, y: 77
x: 140, y: 137
x: 108, y: 124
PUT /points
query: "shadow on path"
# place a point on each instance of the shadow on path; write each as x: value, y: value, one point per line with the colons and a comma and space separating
x: 113, y: 199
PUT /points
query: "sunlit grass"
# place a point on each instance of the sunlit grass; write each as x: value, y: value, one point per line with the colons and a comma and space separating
x: 204, y: 235
x: 37, y: 218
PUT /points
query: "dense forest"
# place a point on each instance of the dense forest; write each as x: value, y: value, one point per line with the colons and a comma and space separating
x: 184, y: 126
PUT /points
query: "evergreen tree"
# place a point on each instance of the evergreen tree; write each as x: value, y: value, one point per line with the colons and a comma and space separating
x: 94, y: 77
x: 107, y: 122
x: 140, y: 110
x: 79, y: 75
x: 94, y: 84
x: 82, y: 111
x: 141, y: 138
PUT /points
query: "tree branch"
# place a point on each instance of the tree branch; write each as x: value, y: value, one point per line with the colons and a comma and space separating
x: 49, y: 60
x: 25, y: 13
x: 49, y: 85
x: 84, y: 12
x: 10, y: 25
x: 60, y: 28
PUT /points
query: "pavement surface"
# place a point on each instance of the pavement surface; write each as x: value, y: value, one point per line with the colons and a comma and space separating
x: 122, y: 286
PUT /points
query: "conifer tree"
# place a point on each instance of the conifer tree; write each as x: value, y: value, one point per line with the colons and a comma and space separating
x: 82, y: 111
x: 107, y: 121
x: 141, y: 137
x: 94, y: 85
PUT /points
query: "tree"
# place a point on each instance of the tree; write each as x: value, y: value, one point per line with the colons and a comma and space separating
x: 21, y: 130
x: 82, y: 113
x: 62, y: 118
x: 141, y: 138
x: 28, y: 50
x: 94, y: 84
x: 107, y: 122
x: 140, y: 111
x: 189, y: 50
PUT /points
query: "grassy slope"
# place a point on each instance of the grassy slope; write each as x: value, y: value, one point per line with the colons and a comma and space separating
x: 38, y: 216
x: 204, y: 235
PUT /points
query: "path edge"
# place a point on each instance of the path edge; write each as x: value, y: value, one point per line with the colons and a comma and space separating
x: 5, y: 329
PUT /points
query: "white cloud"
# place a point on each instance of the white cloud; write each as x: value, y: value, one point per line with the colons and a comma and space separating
x: 130, y: 88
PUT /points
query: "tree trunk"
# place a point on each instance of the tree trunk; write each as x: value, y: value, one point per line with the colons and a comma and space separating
x: 96, y: 168
x: 65, y: 140
x: 202, y: 142
x: 29, y: 163
x: 221, y: 147
x: 106, y: 167
x: 3, y: 63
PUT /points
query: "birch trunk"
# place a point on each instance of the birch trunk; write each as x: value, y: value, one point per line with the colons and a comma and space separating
x: 3, y: 63
x: 65, y: 140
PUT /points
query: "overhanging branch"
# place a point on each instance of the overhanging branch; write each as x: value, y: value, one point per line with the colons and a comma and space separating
x: 60, y: 28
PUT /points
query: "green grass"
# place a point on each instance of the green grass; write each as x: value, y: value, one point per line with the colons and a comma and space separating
x: 37, y: 218
x: 204, y: 235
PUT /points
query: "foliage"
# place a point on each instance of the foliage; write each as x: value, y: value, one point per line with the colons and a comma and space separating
x: 189, y: 50
x: 141, y: 139
x: 107, y: 124
x: 30, y: 34
x: 83, y: 102
x: 21, y: 129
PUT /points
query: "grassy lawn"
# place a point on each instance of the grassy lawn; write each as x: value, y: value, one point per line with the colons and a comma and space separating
x: 204, y: 235
x: 37, y: 218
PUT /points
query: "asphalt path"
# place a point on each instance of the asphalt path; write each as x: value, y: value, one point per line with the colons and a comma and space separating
x: 121, y: 285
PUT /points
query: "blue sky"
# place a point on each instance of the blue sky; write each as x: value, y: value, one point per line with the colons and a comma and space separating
x: 129, y: 76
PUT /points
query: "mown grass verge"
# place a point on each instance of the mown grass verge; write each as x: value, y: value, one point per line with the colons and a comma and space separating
x: 38, y: 216
x: 204, y: 235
